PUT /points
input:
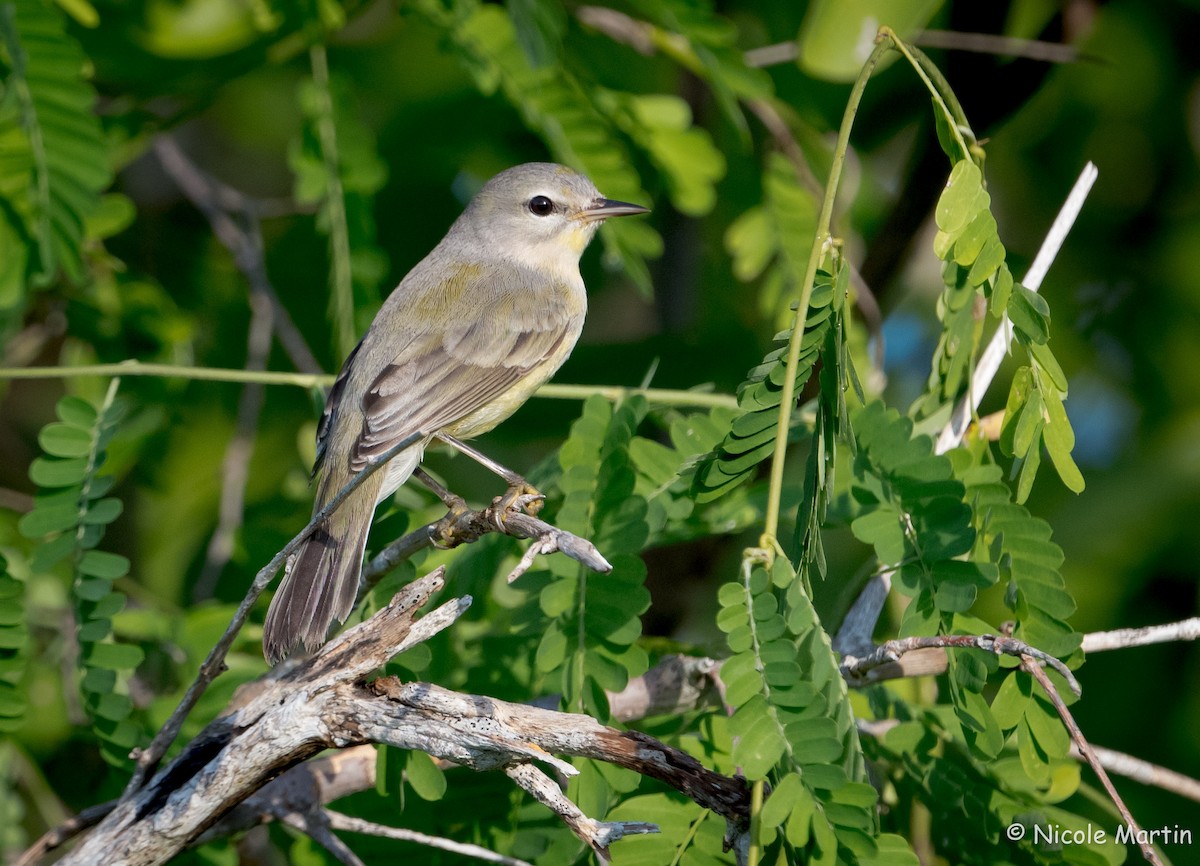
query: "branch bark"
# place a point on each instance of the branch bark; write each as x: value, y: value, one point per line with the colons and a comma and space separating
x: 220, y: 781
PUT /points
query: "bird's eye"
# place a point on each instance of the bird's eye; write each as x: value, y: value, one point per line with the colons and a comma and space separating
x: 539, y: 205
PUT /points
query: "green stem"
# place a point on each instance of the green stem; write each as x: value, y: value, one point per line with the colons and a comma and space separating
x: 884, y: 42
x: 922, y: 69
x: 139, y: 368
x: 756, y: 804
x: 341, y: 299
x: 615, y: 393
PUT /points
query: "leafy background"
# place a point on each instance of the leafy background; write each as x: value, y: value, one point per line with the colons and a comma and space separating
x: 427, y: 100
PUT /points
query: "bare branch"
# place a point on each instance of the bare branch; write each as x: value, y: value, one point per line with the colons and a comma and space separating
x: 597, y: 835
x: 338, y: 821
x: 316, y: 827
x: 862, y: 671
x: 465, y: 527
x: 1031, y: 665
x: 1101, y: 641
x: 214, y: 663
x: 1142, y: 771
x: 978, y: 43
x: 302, y: 708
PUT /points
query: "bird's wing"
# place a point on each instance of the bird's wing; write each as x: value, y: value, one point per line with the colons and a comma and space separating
x: 332, y: 399
x: 494, y: 339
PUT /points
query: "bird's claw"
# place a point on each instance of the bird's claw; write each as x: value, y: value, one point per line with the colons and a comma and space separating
x: 447, y: 532
x: 521, y: 497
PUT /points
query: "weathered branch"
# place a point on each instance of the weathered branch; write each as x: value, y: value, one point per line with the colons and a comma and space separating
x: 866, y: 670
x: 465, y: 527
x: 214, y: 662
x: 1031, y: 665
x: 1122, y: 638
x: 220, y: 781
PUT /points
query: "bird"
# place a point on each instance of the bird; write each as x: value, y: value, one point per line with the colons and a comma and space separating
x: 466, y: 337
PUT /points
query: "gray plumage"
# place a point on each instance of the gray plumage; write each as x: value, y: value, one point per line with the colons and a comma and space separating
x: 468, y: 335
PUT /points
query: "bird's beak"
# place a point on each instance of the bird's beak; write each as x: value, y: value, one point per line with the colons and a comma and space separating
x: 603, y: 208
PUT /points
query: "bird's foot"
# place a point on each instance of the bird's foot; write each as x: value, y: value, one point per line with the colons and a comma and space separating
x: 521, y: 496
x: 452, y: 530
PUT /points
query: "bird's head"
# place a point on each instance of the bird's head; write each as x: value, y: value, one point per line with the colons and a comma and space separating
x: 541, y: 214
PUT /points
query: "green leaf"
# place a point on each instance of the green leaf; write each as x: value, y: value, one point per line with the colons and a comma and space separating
x: 69, y: 161
x: 76, y: 412
x: 113, y: 656
x: 46, y: 472
x: 1060, y: 439
x: 1002, y: 287
x: 44, y: 520
x: 1030, y: 314
x: 426, y: 778
x: 883, y: 530
x: 836, y: 35
x: 962, y: 199
x: 65, y: 440
x: 103, y: 511
x: 97, y: 563
x: 1028, y: 471
x: 979, y: 232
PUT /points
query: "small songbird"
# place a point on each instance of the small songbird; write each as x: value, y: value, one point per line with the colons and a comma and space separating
x: 468, y: 335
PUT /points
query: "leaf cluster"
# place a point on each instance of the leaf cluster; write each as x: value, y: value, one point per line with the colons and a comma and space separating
x: 69, y: 519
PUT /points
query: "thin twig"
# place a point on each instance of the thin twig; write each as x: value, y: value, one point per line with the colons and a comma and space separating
x: 978, y: 43
x: 67, y: 830
x: 338, y: 821
x: 1100, y: 641
x: 316, y: 827
x: 465, y: 527
x: 857, y: 671
x: 989, y: 361
x: 700, y: 399
x: 597, y: 835
x: 1152, y: 775
x: 219, y: 202
x: 1002, y: 46
x: 214, y: 664
x: 1035, y: 670
x: 235, y: 222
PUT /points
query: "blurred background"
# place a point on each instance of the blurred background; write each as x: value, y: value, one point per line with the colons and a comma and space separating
x: 228, y: 80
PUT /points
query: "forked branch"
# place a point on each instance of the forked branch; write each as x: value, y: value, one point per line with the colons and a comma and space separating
x: 328, y: 702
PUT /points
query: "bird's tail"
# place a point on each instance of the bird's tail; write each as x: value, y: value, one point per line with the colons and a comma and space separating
x: 321, y: 580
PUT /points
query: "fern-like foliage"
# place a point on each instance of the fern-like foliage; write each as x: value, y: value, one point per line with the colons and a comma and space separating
x: 975, y: 271
x: 14, y: 650
x: 945, y: 542
x: 556, y: 105
x: 751, y: 437
x: 337, y: 168
x: 687, y: 834
x: 705, y: 44
x: 793, y: 724
x: 589, y: 641
x: 52, y: 173
x: 973, y: 802
x: 71, y: 511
